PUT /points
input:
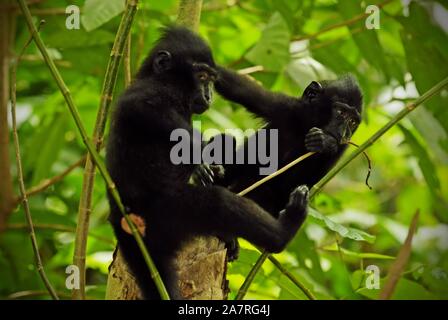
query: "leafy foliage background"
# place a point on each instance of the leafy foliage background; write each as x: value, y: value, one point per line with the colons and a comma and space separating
x: 394, y: 64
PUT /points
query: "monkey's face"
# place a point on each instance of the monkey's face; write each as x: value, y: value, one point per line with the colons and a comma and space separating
x: 338, y: 104
x: 194, y: 73
x: 344, y: 122
x: 204, y: 77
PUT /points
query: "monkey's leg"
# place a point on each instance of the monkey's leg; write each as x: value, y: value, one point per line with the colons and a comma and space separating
x: 219, y: 212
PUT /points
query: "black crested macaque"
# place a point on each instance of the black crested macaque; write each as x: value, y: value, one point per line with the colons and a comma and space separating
x: 322, y: 120
x: 174, y: 83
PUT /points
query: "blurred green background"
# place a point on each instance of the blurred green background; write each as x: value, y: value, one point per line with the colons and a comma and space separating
x: 394, y: 64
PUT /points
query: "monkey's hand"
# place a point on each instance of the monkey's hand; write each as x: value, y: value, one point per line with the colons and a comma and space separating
x: 316, y: 140
x: 205, y: 174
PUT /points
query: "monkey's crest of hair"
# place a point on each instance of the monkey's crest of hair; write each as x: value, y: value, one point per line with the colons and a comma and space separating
x: 184, y: 45
x: 347, y: 89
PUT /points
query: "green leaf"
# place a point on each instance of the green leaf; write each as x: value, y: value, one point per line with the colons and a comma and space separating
x: 304, y: 249
x: 220, y: 119
x: 444, y: 3
x: 331, y: 57
x: 345, y: 232
x: 56, y: 205
x: 426, y: 47
x: 367, y: 42
x: 405, y: 290
x: 436, y: 279
x: 272, y: 50
x: 289, y: 291
x: 428, y: 168
x: 245, y: 262
x: 287, y: 9
x: 357, y: 278
x: 93, y: 61
x: 431, y: 130
x: 162, y: 6
x: 303, y: 71
x: 49, y: 150
x: 79, y: 39
x: 98, y: 12
x: 359, y: 255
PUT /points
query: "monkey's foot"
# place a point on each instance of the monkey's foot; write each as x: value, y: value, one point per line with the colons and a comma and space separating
x: 297, y: 207
x: 298, y: 199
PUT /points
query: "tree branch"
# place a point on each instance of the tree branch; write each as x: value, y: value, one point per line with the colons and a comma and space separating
x: 29, y: 294
x: 85, y: 202
x: 289, y: 275
x: 400, y: 263
x: 44, y: 184
x: 189, y: 13
x: 57, y: 227
x: 25, y: 204
x: 7, y: 20
x: 341, y: 24
x: 276, y: 173
x: 210, y: 7
x: 127, y: 62
x: 320, y: 32
x: 251, y: 276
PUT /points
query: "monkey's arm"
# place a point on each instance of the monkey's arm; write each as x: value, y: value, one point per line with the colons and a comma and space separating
x: 254, y: 97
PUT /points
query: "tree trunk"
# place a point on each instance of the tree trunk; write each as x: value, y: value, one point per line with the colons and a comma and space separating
x: 7, y: 18
x: 202, y: 262
x: 201, y: 267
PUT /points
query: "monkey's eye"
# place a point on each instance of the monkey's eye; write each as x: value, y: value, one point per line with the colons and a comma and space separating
x: 339, y: 112
x: 203, y: 76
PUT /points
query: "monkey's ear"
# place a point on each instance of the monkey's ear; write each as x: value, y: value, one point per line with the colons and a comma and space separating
x: 313, y: 88
x: 162, y: 61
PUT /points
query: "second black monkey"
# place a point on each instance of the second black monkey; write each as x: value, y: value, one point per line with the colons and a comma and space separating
x: 322, y: 120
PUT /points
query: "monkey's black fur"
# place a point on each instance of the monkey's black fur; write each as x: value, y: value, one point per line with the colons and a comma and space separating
x: 172, y: 84
x: 322, y: 120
